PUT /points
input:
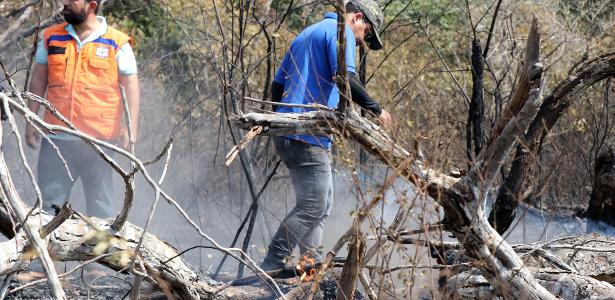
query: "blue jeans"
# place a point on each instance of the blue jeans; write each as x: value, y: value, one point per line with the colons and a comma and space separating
x: 83, y: 162
x: 310, y: 171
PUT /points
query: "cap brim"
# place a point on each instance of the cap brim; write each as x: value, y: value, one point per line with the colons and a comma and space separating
x: 374, y: 41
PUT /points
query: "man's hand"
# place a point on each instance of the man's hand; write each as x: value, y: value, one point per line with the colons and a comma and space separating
x: 32, y: 136
x: 385, y: 119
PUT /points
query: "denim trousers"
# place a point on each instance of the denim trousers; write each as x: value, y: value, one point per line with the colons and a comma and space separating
x: 310, y: 171
x: 83, y: 162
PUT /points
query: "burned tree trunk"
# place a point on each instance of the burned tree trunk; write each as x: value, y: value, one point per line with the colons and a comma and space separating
x: 352, y: 267
x: 476, y: 114
x: 602, y: 203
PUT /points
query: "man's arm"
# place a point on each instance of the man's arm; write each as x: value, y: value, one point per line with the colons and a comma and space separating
x: 361, y: 97
x: 131, y: 87
x: 38, y: 86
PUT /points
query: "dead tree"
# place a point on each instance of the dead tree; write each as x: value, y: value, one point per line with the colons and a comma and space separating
x: 554, y: 105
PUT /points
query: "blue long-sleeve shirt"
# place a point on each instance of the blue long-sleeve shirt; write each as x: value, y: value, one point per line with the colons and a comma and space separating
x: 308, y: 68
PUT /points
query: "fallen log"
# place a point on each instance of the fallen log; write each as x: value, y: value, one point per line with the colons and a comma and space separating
x: 76, y: 240
x: 590, y: 255
x: 461, y: 198
x: 472, y: 285
x: 579, y: 267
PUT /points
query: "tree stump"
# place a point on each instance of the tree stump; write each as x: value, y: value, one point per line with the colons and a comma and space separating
x: 602, y: 203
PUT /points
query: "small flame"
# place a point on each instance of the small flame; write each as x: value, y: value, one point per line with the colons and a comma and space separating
x: 303, y: 265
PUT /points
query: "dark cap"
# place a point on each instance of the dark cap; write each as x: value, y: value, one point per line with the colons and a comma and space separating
x: 374, y: 15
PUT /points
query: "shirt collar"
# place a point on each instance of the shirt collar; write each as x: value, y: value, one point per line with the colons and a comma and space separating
x: 102, y: 29
x: 331, y: 15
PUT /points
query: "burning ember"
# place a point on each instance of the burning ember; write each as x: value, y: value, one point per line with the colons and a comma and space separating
x: 306, y: 268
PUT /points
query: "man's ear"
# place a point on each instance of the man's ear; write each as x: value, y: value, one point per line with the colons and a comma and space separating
x: 92, y: 5
x: 358, y: 16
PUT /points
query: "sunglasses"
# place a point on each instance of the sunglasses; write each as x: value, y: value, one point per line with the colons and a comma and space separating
x: 370, y: 31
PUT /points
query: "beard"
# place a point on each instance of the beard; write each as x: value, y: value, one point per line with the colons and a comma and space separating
x: 74, y: 17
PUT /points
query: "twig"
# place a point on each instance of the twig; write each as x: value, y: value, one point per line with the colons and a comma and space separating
x: 33, y: 53
x: 5, y: 285
x: 431, y: 227
x: 66, y: 211
x: 431, y: 42
x: 243, y: 143
x: 342, y: 71
x: 251, y: 210
x: 495, y: 15
x: 136, y: 287
x: 16, y: 204
x: 129, y: 179
x: 366, y: 282
x: 435, y: 267
x: 342, y: 240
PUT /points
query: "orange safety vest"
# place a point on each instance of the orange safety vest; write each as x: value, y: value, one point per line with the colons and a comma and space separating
x: 83, y: 85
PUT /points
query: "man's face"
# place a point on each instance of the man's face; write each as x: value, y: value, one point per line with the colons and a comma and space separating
x: 76, y: 12
x: 361, y: 27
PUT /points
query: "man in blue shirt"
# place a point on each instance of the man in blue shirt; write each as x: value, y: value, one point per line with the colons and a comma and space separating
x: 307, y: 76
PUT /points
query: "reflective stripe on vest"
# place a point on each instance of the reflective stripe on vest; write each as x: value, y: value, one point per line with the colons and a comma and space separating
x: 83, y: 84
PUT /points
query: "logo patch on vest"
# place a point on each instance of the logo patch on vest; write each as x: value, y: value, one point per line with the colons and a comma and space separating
x: 102, y: 52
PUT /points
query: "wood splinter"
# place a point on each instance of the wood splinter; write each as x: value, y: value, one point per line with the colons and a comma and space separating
x: 254, y: 131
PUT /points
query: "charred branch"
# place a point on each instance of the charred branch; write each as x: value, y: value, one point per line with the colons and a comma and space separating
x: 504, y: 210
x: 476, y: 113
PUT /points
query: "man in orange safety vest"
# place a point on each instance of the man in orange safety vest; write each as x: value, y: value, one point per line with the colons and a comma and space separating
x: 81, y: 65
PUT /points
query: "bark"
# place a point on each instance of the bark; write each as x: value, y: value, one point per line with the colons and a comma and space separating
x: 602, y: 203
x: 352, y: 267
x: 476, y: 113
